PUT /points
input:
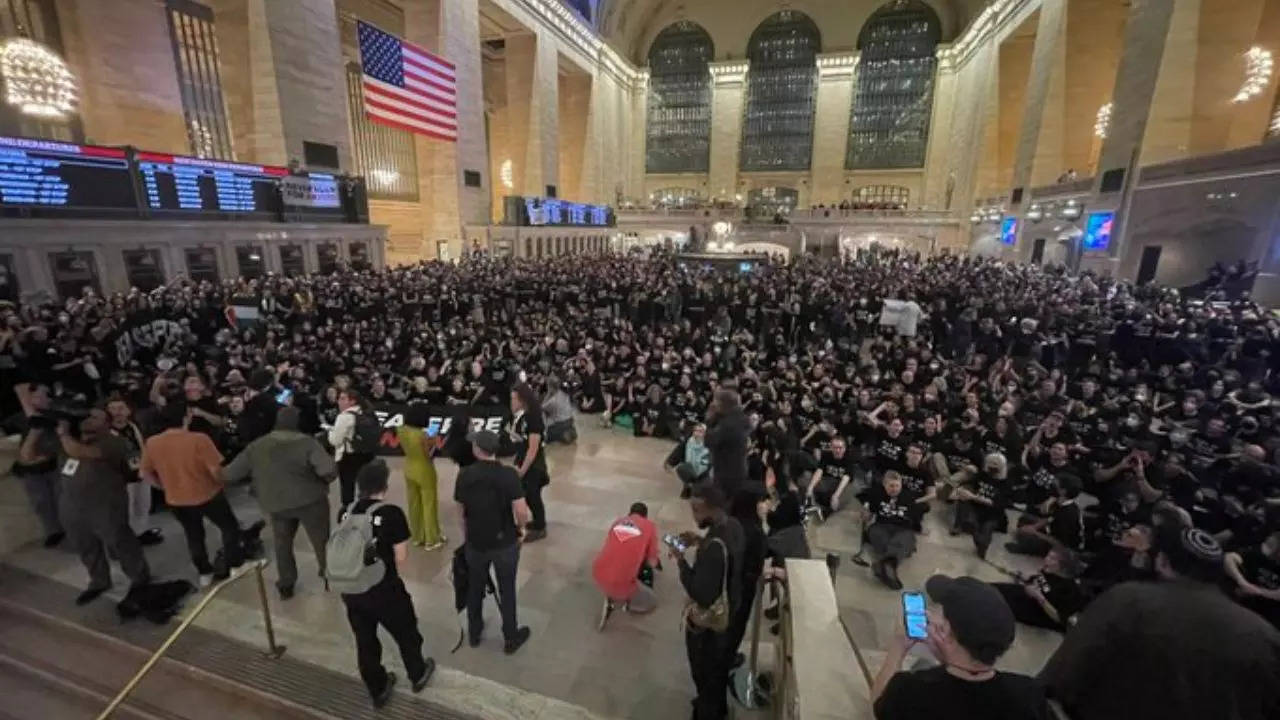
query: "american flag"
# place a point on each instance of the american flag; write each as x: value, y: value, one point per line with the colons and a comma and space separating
x: 407, y: 87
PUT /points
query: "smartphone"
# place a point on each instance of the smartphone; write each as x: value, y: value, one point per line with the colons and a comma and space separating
x: 284, y: 396
x: 675, y: 542
x: 913, y: 616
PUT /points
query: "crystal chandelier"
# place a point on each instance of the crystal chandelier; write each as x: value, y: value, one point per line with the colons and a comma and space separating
x: 201, y: 139
x: 1257, y: 74
x: 1102, y: 122
x: 36, y: 80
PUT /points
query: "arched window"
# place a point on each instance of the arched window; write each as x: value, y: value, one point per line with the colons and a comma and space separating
x: 894, y: 95
x: 777, y: 131
x: 678, y: 127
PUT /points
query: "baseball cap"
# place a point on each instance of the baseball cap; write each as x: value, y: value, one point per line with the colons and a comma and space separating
x: 980, y: 619
x: 486, y: 440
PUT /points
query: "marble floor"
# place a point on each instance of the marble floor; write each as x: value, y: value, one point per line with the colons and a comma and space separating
x: 636, y: 668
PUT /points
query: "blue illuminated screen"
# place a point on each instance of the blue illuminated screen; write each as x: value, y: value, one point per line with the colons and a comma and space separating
x: 1097, y: 230
x: 1009, y: 231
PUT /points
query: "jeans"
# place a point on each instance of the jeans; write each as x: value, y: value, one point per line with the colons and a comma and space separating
x: 709, y: 660
x: 218, y: 511
x: 388, y: 604
x: 504, y: 560
x: 314, y: 519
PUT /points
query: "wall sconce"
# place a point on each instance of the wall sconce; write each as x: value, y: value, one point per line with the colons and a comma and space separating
x: 1072, y: 210
x: 976, y: 217
x: 1035, y: 213
x: 994, y: 215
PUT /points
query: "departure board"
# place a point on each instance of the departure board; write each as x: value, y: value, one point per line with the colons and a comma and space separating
x: 177, y: 183
x: 46, y: 174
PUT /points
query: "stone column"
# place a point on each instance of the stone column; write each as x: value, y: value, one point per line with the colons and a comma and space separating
x: 1046, y: 58
x: 1093, y: 39
x: 836, y: 82
x: 574, y: 113
x: 1144, y: 45
x: 533, y: 107
x: 248, y: 66
x: 728, y: 93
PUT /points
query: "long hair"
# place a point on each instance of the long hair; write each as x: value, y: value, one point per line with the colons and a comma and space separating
x: 528, y: 398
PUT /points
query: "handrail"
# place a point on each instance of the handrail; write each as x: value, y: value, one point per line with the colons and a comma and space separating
x: 274, y: 650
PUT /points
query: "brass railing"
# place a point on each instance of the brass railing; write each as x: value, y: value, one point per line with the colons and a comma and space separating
x: 273, y: 650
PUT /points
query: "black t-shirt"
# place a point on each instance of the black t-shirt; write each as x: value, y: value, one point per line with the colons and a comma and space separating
x: 486, y: 490
x: 390, y: 528
x: 900, y: 510
x: 935, y: 693
x: 526, y: 424
x: 891, y: 452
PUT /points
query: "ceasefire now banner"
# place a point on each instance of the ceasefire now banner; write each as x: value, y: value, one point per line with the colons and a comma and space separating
x: 440, y: 421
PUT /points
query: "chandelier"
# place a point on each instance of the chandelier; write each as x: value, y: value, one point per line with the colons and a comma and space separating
x: 1102, y: 122
x: 1257, y: 74
x: 36, y: 80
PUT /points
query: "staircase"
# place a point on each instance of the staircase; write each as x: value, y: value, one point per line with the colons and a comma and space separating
x: 59, y: 662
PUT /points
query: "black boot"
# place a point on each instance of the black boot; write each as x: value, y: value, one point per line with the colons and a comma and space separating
x: 891, y: 574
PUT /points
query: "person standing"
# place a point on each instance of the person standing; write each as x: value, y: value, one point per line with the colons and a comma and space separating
x: 94, y: 472
x: 388, y: 602
x: 727, y: 440
x: 714, y: 585
x: 37, y: 462
x: 346, y: 448
x: 493, y: 516
x: 527, y: 429
x: 259, y: 416
x: 187, y: 466
x: 1175, y: 649
x: 291, y: 474
x: 420, y: 477
x: 138, y: 491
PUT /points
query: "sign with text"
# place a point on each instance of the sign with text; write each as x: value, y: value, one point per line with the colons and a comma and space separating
x: 441, y: 419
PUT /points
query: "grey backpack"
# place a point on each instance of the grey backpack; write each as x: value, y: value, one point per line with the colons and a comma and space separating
x: 354, y: 566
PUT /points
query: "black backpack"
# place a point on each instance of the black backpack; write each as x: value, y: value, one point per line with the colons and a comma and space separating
x: 367, y: 435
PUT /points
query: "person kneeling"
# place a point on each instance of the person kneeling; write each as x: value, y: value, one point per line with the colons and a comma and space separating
x: 892, y: 512
x: 629, y: 553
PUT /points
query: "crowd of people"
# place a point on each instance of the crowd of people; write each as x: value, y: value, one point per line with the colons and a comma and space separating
x: 1081, y: 418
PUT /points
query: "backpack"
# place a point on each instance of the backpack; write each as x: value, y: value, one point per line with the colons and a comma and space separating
x: 367, y: 434
x: 353, y: 563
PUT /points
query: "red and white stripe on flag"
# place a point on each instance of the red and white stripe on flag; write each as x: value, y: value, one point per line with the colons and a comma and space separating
x: 428, y: 102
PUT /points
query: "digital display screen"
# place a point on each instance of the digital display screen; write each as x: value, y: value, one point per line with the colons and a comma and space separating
x: 552, y: 211
x: 174, y: 182
x: 1097, y: 230
x: 43, y: 173
x: 1009, y: 231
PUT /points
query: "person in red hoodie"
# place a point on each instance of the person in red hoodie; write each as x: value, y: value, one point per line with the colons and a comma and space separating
x: 630, y: 549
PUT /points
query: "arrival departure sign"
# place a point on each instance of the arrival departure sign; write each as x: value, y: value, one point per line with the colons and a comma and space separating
x: 47, y: 174
x: 189, y: 184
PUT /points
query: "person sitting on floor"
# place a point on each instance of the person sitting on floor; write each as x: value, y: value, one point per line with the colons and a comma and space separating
x: 1050, y: 598
x: 630, y: 552
x: 691, y: 459
x: 893, y: 513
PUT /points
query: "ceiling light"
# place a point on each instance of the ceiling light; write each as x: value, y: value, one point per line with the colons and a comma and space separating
x: 36, y: 80
x: 1102, y: 121
x: 1257, y: 74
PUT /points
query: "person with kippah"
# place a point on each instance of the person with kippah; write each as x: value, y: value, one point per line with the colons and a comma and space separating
x: 1177, y: 649
x: 970, y: 626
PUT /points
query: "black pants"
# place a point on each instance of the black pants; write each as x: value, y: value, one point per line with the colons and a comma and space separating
x: 388, y: 604
x: 504, y: 561
x: 1026, y: 610
x: 96, y: 531
x: 742, y: 614
x: 218, y: 511
x: 533, y: 482
x: 348, y: 466
x: 709, y: 664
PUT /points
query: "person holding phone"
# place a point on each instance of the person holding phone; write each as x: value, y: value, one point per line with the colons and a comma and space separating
x: 420, y: 449
x: 967, y: 626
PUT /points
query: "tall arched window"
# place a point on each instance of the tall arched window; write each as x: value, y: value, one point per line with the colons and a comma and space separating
x: 777, y: 132
x: 894, y: 95
x: 678, y: 129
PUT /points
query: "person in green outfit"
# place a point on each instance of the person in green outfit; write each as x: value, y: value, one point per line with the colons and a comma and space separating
x: 420, y: 477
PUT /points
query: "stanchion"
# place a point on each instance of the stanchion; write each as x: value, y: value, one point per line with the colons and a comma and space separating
x: 744, y: 680
x: 273, y: 650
